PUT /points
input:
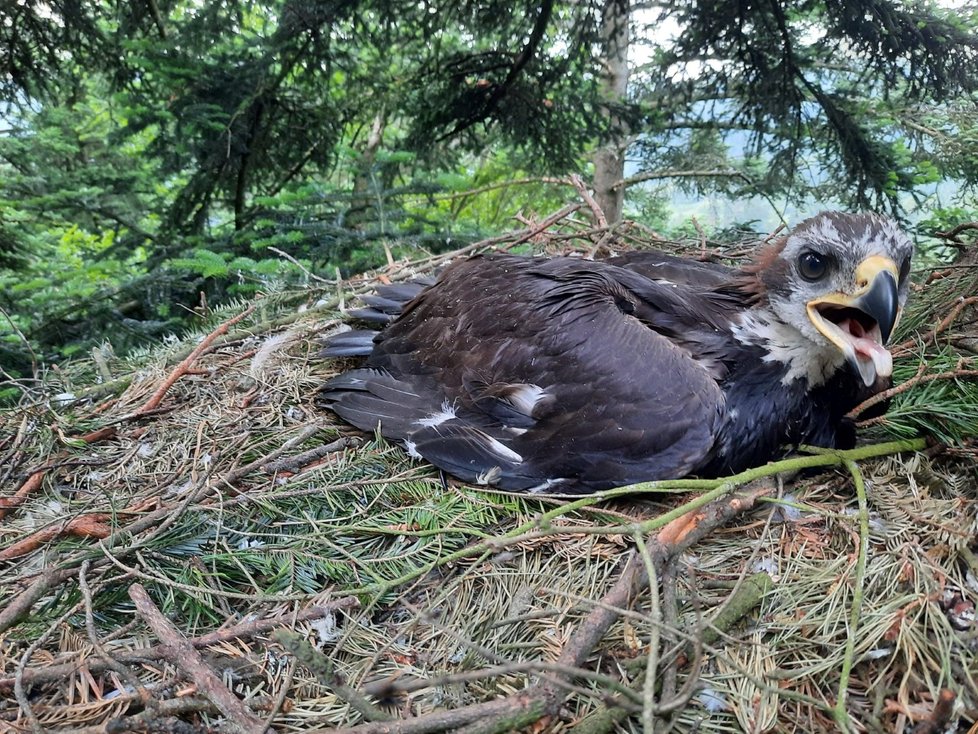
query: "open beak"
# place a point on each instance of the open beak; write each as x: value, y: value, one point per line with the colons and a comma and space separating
x: 860, y: 323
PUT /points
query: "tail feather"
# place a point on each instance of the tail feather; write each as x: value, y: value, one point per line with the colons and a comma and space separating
x: 387, y: 303
x: 370, y: 413
x: 467, y: 444
x: 356, y: 343
x: 368, y: 398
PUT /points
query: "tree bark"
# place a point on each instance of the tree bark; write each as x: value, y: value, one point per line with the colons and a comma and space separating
x: 609, y: 159
x: 364, y: 189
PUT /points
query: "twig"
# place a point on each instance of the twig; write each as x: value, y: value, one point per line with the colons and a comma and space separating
x: 304, y: 434
x: 652, y: 659
x: 185, y: 657
x: 702, y: 234
x: 24, y: 339
x: 20, y: 681
x: 746, y: 596
x: 491, y: 187
x: 600, y: 219
x: 941, y: 327
x: 131, y: 680
x: 29, y: 487
x: 840, y: 712
x: 294, y: 464
x: 918, y: 379
x: 542, y: 226
x: 518, y: 707
x: 94, y: 525
x: 322, y: 667
x: 775, y: 233
x: 705, y: 173
x: 21, y: 605
x: 279, y: 703
x: 952, y: 234
x: 390, y: 687
x: 183, y: 367
x: 506, y: 667
x: 670, y: 622
x: 507, y: 241
x: 941, y: 716
x: 299, y: 265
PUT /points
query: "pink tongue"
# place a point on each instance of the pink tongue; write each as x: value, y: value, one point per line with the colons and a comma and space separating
x: 873, y: 359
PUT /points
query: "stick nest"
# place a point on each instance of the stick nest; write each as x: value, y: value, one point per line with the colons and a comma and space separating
x: 189, y: 545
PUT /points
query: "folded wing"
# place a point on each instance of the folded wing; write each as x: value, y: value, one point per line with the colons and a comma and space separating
x: 529, y: 374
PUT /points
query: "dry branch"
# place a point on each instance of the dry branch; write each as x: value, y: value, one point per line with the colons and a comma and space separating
x: 29, y: 487
x: 952, y: 234
x: 184, y: 367
x: 243, y: 630
x: 84, y: 526
x: 943, y: 710
x: 184, y: 656
x: 600, y: 219
x: 322, y: 668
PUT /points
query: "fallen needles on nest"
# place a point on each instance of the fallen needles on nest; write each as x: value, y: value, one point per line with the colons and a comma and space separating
x: 544, y: 700
x: 233, y: 499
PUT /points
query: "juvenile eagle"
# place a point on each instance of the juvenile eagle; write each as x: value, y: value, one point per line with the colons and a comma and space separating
x: 570, y: 376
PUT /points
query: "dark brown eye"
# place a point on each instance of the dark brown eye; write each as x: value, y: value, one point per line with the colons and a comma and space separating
x: 905, y: 269
x: 813, y: 265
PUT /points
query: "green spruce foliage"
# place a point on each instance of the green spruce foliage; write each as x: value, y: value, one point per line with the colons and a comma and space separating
x: 159, y: 157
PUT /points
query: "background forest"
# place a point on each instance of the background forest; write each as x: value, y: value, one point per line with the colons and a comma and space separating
x: 162, y: 155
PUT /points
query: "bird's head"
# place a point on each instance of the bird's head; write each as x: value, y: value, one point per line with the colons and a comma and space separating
x: 841, y: 281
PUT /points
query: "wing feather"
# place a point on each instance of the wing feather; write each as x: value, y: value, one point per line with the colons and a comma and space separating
x: 558, y: 373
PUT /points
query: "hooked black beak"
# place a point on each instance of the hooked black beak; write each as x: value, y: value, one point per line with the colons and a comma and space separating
x: 860, y: 323
x: 881, y: 302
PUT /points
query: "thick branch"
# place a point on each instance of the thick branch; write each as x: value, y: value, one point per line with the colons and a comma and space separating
x: 184, y: 656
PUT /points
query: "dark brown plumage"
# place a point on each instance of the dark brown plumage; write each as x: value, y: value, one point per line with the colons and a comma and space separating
x: 570, y: 375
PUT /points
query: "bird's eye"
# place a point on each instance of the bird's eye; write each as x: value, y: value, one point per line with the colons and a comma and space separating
x: 813, y: 265
x: 905, y: 269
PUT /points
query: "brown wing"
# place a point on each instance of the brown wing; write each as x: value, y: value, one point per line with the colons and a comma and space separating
x: 663, y: 267
x: 530, y: 374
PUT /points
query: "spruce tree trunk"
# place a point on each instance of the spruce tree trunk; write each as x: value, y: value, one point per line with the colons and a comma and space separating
x: 609, y: 159
x: 362, y: 202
